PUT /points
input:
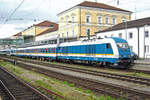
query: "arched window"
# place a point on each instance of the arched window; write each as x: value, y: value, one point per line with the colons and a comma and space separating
x: 107, y: 20
x: 72, y: 17
x: 113, y: 20
x: 62, y: 20
x: 123, y: 19
x: 67, y: 19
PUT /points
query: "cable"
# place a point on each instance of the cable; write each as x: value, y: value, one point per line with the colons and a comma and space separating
x: 9, y: 17
x: 143, y: 10
x: 1, y: 2
x: 111, y: 1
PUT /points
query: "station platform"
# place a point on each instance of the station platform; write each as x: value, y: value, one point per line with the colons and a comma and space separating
x: 144, y: 61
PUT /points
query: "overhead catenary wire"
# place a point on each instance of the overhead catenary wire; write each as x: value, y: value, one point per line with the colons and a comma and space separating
x: 1, y: 5
x: 9, y: 17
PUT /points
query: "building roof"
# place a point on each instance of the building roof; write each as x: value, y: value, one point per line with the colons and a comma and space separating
x: 129, y: 24
x: 54, y: 27
x: 18, y: 34
x: 98, y: 5
x: 45, y: 23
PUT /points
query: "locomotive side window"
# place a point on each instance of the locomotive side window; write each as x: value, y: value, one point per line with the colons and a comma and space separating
x: 108, y: 45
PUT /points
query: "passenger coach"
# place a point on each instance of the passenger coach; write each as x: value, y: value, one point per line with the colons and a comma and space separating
x: 112, y: 52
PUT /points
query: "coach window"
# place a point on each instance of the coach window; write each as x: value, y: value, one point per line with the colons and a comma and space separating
x: 108, y: 45
x: 49, y: 50
x: 54, y: 50
x: 59, y: 48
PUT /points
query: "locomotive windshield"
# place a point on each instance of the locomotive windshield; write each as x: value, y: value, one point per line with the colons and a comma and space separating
x: 122, y: 45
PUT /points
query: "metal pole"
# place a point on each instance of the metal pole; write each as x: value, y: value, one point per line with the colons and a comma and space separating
x: 80, y: 24
x: 138, y: 39
x: 126, y: 29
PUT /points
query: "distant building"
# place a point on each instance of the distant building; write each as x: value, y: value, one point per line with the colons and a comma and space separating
x: 50, y: 35
x: 87, y: 18
x: 136, y: 32
x: 31, y: 32
x: 10, y: 42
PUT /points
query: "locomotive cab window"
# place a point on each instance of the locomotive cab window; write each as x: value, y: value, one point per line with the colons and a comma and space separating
x: 108, y: 45
x: 122, y: 45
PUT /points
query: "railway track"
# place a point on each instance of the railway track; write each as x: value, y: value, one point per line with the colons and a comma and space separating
x: 139, y: 80
x: 97, y: 86
x: 5, y: 94
x: 16, y: 89
x: 86, y: 65
x: 143, y: 81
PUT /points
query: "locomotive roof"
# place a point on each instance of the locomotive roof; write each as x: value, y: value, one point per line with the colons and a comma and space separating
x: 41, y: 46
x: 88, y: 42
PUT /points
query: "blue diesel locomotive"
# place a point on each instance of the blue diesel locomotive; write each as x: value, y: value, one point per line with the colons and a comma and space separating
x: 112, y: 52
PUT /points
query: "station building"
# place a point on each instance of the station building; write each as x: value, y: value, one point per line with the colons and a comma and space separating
x: 87, y: 18
x: 136, y: 32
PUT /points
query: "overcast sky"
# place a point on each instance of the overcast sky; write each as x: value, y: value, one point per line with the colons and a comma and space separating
x: 34, y: 11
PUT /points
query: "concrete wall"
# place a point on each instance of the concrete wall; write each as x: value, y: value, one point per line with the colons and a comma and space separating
x: 133, y: 42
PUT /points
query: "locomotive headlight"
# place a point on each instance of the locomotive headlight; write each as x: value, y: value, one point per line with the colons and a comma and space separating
x: 129, y: 56
x: 120, y: 56
x: 118, y: 61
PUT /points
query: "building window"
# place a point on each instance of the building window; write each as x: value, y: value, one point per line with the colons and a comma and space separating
x: 62, y: 35
x: 72, y: 19
x: 146, y: 47
x: 87, y: 18
x: 120, y: 35
x: 146, y: 34
x: 67, y: 19
x: 114, y: 20
x: 62, y: 20
x: 72, y: 32
x: 88, y: 32
x: 67, y: 34
x: 99, y: 18
x: 123, y: 19
x: 130, y: 35
x: 131, y: 48
x: 106, y: 20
